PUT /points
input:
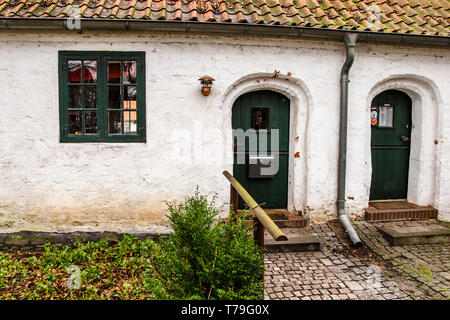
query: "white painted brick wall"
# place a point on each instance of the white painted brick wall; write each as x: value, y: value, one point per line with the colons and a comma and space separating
x: 47, y: 185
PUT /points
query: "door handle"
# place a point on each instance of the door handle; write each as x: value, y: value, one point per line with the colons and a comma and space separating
x: 405, y: 139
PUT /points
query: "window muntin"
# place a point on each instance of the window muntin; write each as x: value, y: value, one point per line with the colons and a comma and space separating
x: 82, y: 95
x: 102, y: 96
x: 122, y: 98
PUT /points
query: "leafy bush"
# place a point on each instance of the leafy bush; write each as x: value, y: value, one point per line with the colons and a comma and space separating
x: 205, y: 258
x: 106, y: 272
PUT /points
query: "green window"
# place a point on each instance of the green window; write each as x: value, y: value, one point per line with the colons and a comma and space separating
x: 102, y: 96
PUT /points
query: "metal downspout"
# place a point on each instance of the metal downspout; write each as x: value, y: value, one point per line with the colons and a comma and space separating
x: 350, y: 41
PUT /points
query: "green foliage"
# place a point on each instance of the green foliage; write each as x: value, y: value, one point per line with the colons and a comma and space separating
x: 107, y: 272
x: 206, y: 258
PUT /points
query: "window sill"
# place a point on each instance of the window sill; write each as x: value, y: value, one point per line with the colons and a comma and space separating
x: 109, y: 139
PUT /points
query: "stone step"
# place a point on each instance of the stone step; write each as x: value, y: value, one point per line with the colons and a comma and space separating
x: 415, y: 232
x: 295, y: 243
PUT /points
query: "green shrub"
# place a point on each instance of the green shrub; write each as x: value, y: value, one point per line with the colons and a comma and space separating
x: 106, y: 272
x: 206, y: 258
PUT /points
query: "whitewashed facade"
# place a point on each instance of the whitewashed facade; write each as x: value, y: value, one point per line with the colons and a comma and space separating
x: 46, y: 185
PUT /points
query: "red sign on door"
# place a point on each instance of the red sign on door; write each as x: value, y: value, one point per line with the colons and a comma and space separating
x: 374, y: 116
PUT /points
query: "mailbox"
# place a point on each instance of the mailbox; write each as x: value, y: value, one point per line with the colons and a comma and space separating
x: 256, y: 163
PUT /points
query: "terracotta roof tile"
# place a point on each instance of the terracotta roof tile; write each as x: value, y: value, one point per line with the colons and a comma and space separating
x: 431, y: 17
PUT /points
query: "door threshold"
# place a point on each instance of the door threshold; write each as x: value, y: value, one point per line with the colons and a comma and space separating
x: 392, y: 205
x: 388, y: 200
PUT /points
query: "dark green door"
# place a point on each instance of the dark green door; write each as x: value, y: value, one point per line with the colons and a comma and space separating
x: 390, y: 144
x: 267, y: 113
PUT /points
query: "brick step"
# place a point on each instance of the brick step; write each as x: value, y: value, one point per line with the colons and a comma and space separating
x: 416, y: 213
x: 284, y: 218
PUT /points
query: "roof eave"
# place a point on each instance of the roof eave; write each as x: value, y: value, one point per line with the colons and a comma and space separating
x: 216, y: 27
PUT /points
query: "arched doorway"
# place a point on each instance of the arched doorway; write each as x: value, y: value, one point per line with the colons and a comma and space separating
x: 261, y: 126
x: 390, y: 145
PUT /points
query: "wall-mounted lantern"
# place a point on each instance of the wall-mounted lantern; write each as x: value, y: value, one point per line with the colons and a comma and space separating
x: 206, y: 82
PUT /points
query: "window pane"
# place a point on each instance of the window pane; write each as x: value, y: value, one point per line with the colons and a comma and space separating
x: 115, y: 122
x: 114, y: 97
x: 386, y: 116
x: 129, y: 97
x: 75, y: 122
x: 90, y: 122
x: 90, y: 98
x: 90, y: 71
x: 260, y: 118
x: 74, y: 97
x: 74, y: 71
x: 114, y: 71
x: 129, y: 72
x: 129, y: 122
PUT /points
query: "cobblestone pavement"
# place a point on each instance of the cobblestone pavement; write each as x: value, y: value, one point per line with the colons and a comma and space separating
x: 424, y: 269
x: 375, y: 271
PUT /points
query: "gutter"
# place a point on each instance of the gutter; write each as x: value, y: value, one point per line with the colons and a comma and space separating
x: 220, y: 27
x: 350, y: 42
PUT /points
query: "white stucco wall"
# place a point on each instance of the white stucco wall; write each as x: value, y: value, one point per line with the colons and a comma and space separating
x: 51, y: 186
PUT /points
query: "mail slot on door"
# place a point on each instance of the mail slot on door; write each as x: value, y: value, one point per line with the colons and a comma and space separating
x: 256, y: 163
